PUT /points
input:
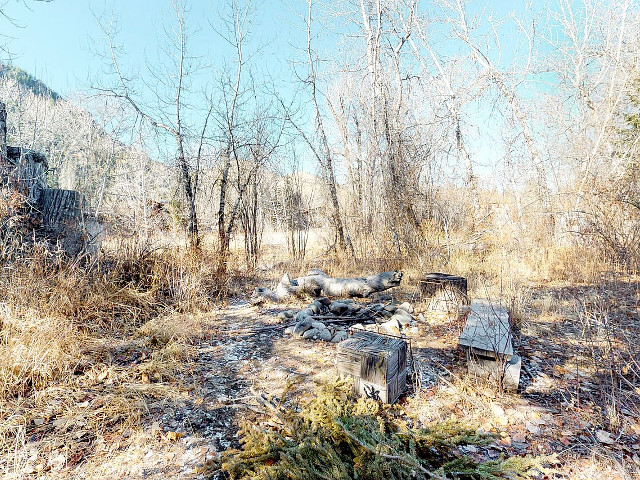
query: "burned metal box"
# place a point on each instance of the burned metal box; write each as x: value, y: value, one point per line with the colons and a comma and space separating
x: 377, y: 363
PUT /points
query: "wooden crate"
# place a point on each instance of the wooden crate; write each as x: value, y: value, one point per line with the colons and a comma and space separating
x: 488, y: 339
x: 377, y: 363
x: 444, y: 292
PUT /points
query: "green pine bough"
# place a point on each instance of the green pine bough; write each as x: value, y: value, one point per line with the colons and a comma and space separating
x: 333, y: 437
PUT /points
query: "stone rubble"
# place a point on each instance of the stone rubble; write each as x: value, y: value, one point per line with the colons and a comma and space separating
x: 317, y: 321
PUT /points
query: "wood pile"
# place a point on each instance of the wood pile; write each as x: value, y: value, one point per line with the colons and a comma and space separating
x: 60, y: 218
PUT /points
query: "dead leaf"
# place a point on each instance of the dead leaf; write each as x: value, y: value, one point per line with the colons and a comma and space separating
x: 59, y: 422
x: 502, y: 421
x: 532, y: 428
x: 497, y: 410
x: 174, y: 436
x: 57, y: 462
x: 605, y: 437
x: 558, y: 370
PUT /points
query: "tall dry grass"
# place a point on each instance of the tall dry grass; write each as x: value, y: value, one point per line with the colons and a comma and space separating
x: 83, y: 349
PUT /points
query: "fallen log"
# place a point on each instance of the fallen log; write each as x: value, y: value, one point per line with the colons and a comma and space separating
x: 317, y: 283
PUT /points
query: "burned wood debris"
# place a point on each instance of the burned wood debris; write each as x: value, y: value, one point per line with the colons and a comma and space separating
x: 54, y: 217
x: 330, y: 320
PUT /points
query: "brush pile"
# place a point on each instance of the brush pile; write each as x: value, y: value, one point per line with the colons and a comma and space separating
x: 330, y: 320
x: 333, y: 436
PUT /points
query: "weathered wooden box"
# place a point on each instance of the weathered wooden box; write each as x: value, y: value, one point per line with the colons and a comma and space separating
x: 377, y: 363
x: 445, y: 292
x: 487, y: 337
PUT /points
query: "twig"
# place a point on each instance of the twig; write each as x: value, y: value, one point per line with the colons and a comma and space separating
x: 527, y: 371
x: 405, y: 460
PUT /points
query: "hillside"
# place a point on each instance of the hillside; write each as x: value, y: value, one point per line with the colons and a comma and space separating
x: 26, y: 80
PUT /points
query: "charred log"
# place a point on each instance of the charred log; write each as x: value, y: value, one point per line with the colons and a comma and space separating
x: 317, y: 283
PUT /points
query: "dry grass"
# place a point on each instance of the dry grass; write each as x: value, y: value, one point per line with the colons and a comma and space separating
x: 85, y: 351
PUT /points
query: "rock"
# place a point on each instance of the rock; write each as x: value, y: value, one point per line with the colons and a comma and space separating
x: 324, y: 301
x: 318, y: 325
x: 406, y: 306
x: 390, y: 308
x: 403, y: 319
x: 413, y: 331
x: 390, y: 328
x: 324, y: 335
x: 313, y: 308
x: 357, y: 326
x: 286, y: 314
x: 338, y: 308
x: 302, y: 315
x: 339, y: 336
x: 319, y: 305
x: 312, y: 333
x: 302, y: 326
x: 353, y: 308
x: 288, y: 330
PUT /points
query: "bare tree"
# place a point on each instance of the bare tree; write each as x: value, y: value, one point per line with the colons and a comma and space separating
x: 507, y: 85
x: 454, y: 97
x: 322, y: 153
x: 251, y: 127
x: 162, y: 118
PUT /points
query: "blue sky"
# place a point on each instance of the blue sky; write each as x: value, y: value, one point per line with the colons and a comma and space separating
x: 56, y: 41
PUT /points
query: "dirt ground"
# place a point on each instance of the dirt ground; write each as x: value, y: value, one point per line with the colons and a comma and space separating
x: 562, y: 406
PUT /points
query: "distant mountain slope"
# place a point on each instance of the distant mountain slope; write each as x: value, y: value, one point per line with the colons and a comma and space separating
x: 27, y: 80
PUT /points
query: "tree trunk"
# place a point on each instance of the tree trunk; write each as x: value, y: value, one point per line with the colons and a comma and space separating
x: 192, y: 228
x: 3, y: 134
x: 327, y: 161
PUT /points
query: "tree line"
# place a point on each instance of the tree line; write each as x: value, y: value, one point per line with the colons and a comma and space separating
x: 425, y: 118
